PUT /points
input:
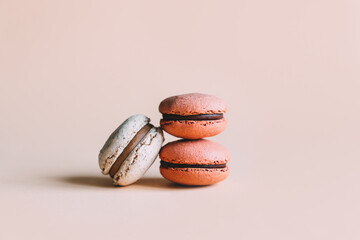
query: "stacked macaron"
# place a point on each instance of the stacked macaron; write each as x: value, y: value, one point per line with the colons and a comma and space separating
x: 193, y: 160
x: 133, y: 147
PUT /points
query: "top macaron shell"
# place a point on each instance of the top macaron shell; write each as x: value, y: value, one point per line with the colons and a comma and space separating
x: 119, y: 139
x: 192, y: 104
x: 204, y: 152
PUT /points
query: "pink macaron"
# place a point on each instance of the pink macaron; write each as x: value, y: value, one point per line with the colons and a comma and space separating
x: 194, y: 162
x: 193, y: 115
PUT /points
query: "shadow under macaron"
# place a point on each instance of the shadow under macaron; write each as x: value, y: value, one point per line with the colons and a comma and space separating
x: 158, y: 182
x: 87, y: 181
x: 105, y: 182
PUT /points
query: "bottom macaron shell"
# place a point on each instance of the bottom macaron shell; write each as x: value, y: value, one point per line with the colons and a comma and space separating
x: 193, y: 129
x: 195, y: 176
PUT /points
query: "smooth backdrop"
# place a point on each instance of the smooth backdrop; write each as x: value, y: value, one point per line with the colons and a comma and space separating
x: 72, y: 71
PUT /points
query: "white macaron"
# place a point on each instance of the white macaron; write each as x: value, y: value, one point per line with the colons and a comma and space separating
x: 130, y: 150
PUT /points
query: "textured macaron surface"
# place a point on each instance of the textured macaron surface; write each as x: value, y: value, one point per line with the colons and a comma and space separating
x: 192, y: 104
x: 119, y: 139
x: 194, y: 176
x: 194, y: 129
x: 200, y: 151
x: 140, y: 159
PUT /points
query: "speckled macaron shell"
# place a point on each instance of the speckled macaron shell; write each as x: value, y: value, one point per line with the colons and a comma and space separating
x: 193, y: 104
x: 140, y: 159
x: 119, y: 139
x: 195, y: 176
x: 141, y: 156
x: 202, y: 152
x: 194, y: 129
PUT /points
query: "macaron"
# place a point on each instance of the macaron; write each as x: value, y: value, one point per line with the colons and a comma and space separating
x: 130, y: 150
x: 193, y: 115
x: 194, y: 162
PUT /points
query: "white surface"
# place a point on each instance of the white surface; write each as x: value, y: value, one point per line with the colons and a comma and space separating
x: 119, y: 139
x: 140, y: 159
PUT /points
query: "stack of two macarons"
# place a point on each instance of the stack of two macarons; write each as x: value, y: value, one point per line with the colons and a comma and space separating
x: 133, y: 147
x: 193, y: 160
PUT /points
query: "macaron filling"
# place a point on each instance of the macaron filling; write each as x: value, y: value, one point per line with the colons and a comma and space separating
x: 176, y: 165
x: 199, y: 117
x: 128, y: 149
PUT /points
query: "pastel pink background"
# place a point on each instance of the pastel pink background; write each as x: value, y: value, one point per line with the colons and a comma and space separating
x: 72, y: 71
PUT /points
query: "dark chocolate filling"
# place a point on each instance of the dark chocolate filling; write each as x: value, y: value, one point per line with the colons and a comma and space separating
x: 128, y: 149
x: 174, y: 165
x: 200, y: 117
